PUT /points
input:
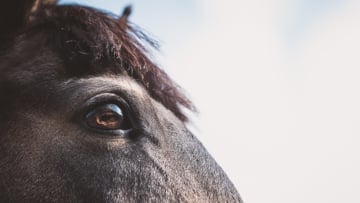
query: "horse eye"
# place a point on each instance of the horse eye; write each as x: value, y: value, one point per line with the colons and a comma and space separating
x: 107, y: 117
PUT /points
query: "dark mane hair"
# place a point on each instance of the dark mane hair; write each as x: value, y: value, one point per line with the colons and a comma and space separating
x: 92, y: 42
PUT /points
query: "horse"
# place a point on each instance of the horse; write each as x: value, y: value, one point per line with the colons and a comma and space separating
x: 86, y: 115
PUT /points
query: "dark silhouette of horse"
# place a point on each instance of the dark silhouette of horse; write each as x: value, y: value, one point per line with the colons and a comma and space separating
x: 87, y: 116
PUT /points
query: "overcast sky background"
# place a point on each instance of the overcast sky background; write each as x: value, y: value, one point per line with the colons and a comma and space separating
x: 277, y: 85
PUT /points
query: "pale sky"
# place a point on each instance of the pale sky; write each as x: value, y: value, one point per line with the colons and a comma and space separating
x: 277, y: 86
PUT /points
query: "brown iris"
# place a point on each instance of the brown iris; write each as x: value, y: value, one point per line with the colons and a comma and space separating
x: 107, y: 117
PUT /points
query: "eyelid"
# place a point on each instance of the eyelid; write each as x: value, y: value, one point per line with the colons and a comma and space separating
x: 105, y: 98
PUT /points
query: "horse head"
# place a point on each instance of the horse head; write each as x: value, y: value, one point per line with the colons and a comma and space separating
x: 87, y: 116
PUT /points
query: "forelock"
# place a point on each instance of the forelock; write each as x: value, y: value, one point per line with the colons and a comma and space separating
x: 91, y: 42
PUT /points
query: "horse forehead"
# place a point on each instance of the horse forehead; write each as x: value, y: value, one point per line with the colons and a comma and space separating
x: 105, y: 83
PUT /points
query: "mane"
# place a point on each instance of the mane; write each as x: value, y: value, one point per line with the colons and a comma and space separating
x: 92, y: 42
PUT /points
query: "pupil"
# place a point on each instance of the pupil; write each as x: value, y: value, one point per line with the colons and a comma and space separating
x: 106, y: 117
x: 109, y: 117
x: 110, y: 120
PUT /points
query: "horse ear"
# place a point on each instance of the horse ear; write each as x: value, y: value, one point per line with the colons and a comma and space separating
x: 126, y: 13
x: 15, y: 13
